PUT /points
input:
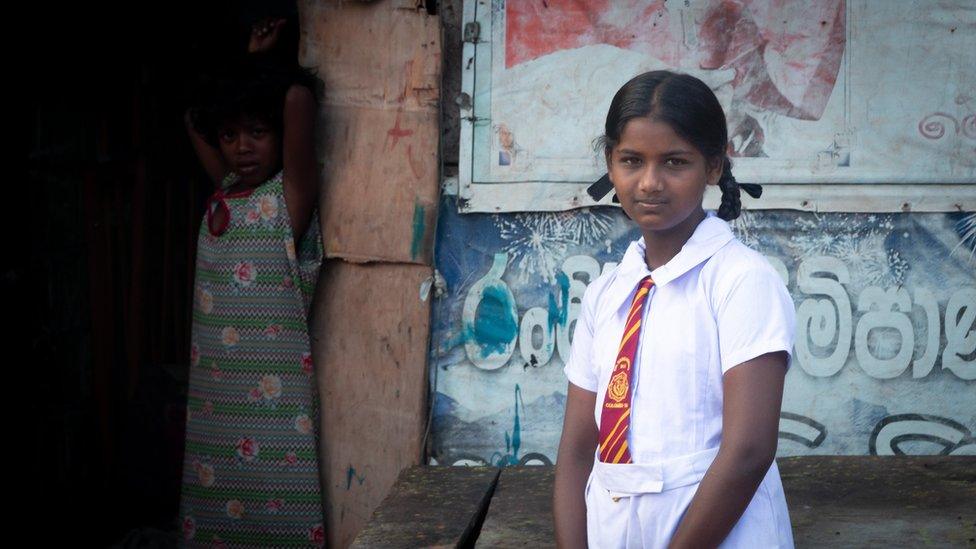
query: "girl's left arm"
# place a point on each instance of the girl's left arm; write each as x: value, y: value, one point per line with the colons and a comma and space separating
x: 301, y: 179
x: 753, y: 392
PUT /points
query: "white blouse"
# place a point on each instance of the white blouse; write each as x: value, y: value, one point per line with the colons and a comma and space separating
x: 714, y: 305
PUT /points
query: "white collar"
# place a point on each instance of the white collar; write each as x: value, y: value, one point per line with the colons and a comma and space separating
x: 709, y: 237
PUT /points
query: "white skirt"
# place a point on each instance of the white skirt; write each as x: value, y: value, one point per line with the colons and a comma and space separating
x: 640, y: 505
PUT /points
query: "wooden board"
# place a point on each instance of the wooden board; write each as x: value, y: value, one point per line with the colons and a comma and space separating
x: 520, y: 514
x: 370, y: 346
x: 431, y: 507
x: 378, y: 131
x: 881, y: 501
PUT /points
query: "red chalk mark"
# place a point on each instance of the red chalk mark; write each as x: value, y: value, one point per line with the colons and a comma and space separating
x: 407, y: 80
x: 417, y: 172
x: 396, y: 132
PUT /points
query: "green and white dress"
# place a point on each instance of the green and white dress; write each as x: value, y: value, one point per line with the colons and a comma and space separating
x: 251, y: 468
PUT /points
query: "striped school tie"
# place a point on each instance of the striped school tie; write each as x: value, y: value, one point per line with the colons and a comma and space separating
x: 615, y: 417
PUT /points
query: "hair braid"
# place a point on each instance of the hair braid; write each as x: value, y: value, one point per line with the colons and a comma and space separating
x: 731, y: 202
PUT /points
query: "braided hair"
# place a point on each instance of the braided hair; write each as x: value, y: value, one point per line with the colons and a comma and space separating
x: 731, y: 202
x: 691, y: 109
x: 731, y: 205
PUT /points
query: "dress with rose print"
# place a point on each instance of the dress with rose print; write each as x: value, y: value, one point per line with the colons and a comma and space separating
x: 250, y: 472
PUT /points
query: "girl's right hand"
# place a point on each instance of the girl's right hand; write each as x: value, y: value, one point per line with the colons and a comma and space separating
x: 264, y: 34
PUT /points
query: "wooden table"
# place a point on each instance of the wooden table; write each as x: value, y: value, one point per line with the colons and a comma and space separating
x: 847, y: 501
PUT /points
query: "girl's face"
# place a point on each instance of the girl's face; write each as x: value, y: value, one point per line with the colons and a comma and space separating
x: 659, y: 177
x: 250, y: 148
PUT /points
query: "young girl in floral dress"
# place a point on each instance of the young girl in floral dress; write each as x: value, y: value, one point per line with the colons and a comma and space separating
x: 251, y: 469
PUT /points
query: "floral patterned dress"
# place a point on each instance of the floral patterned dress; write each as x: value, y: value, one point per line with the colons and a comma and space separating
x: 250, y: 471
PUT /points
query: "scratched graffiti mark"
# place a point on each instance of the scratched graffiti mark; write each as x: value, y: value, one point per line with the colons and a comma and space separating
x: 419, y: 229
x: 415, y: 167
x: 892, y: 432
x: 351, y: 475
x: 408, y: 80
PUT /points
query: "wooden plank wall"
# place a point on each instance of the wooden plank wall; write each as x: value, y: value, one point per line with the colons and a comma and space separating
x: 378, y: 144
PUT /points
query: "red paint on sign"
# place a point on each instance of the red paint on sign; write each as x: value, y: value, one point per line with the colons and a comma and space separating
x: 786, y: 55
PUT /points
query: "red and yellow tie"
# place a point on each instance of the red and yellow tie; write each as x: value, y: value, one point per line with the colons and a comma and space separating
x: 615, y: 417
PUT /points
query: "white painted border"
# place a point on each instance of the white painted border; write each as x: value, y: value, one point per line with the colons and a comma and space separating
x: 834, y: 197
x: 466, y: 119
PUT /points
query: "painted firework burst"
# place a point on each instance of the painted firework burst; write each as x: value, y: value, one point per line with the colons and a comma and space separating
x: 585, y: 227
x: 966, y: 228
x: 535, y: 244
x: 746, y: 229
x: 872, y: 264
x: 856, y: 239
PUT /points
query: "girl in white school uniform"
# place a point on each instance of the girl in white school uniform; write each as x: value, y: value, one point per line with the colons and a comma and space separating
x: 679, y: 354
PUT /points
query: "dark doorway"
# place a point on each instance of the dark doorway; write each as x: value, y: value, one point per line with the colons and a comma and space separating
x: 99, y: 269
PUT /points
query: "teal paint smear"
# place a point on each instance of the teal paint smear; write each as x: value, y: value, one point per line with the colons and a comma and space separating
x: 559, y: 315
x: 350, y: 475
x: 419, y: 228
x: 514, y: 442
x: 494, y: 327
x: 517, y: 428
